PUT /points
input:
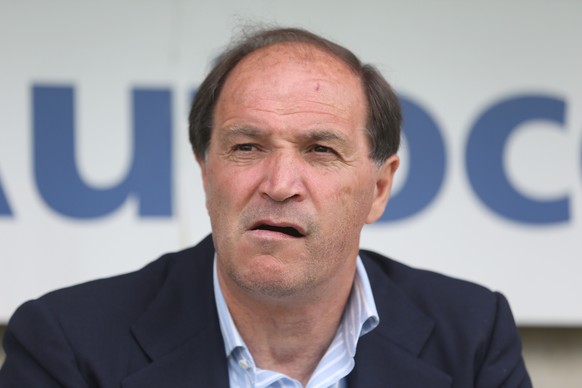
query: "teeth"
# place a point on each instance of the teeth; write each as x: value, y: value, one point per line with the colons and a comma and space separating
x: 281, y: 229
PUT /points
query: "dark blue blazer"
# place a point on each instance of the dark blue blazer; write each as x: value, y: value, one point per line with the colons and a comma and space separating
x: 158, y: 327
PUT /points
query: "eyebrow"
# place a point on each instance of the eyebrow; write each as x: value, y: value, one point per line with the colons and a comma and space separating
x: 242, y: 131
x: 313, y: 135
x: 326, y: 135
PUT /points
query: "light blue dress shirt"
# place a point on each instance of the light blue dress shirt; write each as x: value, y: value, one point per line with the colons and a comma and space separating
x: 360, y: 317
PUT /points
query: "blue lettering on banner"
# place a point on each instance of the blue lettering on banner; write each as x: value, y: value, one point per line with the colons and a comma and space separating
x: 484, y: 159
x: 4, y: 206
x: 427, y: 164
x: 57, y: 177
x: 149, y: 179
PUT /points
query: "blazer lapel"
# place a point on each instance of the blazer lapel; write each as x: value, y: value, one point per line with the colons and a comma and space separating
x: 389, y: 355
x: 196, y: 363
x: 180, y: 332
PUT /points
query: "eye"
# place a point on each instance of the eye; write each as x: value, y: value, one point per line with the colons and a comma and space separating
x: 244, y: 147
x: 322, y: 149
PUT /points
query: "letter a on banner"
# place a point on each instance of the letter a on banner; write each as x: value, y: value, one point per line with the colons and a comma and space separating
x: 4, y: 207
x: 56, y: 173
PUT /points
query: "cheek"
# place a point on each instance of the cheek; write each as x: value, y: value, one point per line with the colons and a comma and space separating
x: 228, y: 188
x: 216, y: 193
x: 354, y: 199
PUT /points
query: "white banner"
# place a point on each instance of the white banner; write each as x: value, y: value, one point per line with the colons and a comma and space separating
x: 97, y: 176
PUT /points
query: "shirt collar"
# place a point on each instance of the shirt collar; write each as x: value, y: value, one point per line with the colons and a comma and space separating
x: 360, y: 315
x: 230, y: 334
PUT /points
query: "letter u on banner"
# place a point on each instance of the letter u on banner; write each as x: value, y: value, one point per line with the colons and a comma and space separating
x: 59, y: 183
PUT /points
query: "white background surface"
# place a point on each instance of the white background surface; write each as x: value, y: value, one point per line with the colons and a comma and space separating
x: 453, y: 57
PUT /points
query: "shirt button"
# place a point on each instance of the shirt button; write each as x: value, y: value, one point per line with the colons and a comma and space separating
x: 243, y: 363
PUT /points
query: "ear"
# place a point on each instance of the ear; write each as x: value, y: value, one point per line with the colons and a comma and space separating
x: 384, y: 178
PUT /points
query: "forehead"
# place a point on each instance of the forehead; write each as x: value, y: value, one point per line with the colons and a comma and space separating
x: 292, y: 75
x: 293, y: 53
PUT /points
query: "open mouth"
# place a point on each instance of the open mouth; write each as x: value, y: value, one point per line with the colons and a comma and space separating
x: 288, y: 230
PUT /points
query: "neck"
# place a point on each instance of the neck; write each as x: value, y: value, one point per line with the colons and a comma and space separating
x: 289, y: 335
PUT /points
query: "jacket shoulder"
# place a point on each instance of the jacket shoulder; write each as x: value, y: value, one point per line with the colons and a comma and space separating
x: 461, y: 310
x: 112, y: 304
x: 84, y: 333
x: 473, y: 338
x: 426, y: 287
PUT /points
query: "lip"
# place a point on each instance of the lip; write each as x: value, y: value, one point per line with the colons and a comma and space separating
x: 262, y: 226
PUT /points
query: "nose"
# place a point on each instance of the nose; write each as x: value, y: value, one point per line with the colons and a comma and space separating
x: 283, y: 177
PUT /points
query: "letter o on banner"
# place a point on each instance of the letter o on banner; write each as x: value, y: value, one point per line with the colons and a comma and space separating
x: 427, y: 164
x: 484, y: 159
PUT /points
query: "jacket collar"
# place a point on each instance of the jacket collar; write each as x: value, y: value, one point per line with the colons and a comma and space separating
x: 179, y: 332
x: 389, y: 355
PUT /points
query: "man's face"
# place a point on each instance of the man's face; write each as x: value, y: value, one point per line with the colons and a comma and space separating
x: 288, y: 178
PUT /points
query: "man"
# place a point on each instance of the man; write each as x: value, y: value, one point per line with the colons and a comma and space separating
x: 296, y: 141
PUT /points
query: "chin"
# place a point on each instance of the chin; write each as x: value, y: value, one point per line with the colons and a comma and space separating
x: 275, y: 281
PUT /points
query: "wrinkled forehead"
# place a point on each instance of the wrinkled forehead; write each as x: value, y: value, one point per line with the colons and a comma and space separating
x: 289, y: 66
x: 309, y: 56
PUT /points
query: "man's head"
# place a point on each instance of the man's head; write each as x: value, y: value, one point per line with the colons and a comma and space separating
x: 290, y: 168
x: 383, y: 109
